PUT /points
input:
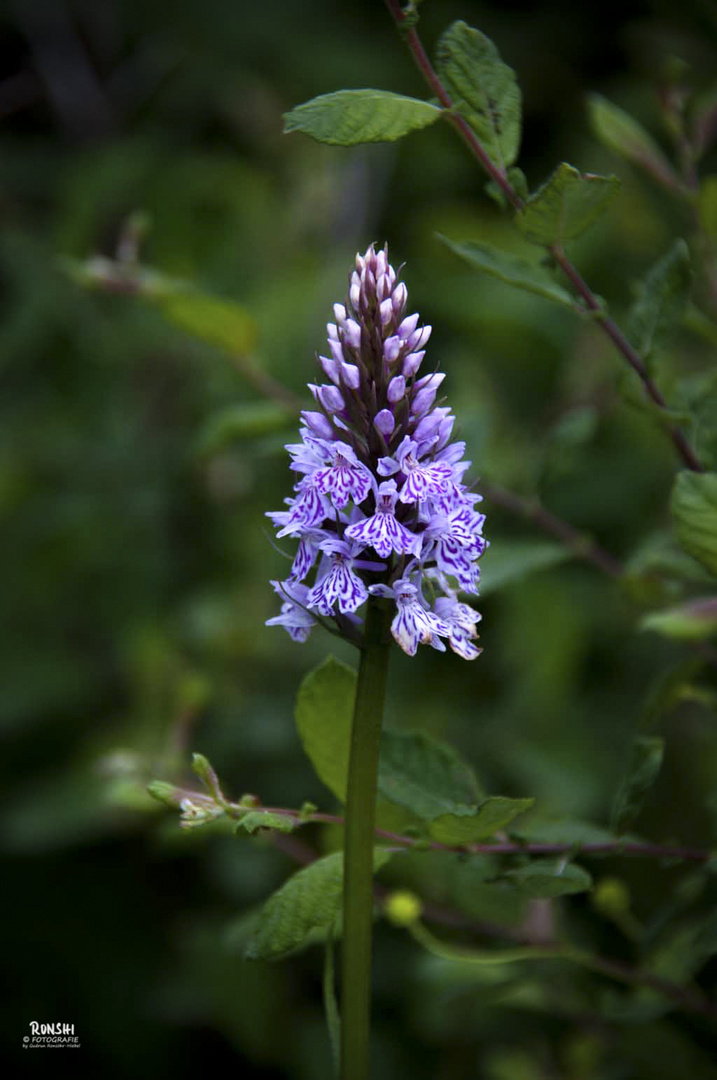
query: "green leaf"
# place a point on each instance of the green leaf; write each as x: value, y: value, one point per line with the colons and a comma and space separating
x: 694, y: 510
x: 248, y: 421
x: 221, y: 323
x: 323, y: 714
x: 708, y: 207
x: 309, y: 901
x: 348, y: 117
x: 642, y: 770
x: 662, y: 300
x: 693, y: 621
x: 491, y: 815
x: 483, y: 90
x: 426, y: 776
x: 512, y: 269
x: 547, y: 878
x: 264, y: 819
x: 545, y: 830
x: 509, y: 561
x: 566, y: 205
x: 620, y: 132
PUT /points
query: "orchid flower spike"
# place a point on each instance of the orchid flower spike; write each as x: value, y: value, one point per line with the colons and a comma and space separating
x: 380, y: 506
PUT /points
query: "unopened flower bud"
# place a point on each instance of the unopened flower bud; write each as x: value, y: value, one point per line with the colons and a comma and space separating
x: 412, y: 362
x: 391, y: 348
x: 408, y: 326
x: 331, y: 398
x: 396, y: 389
x: 318, y: 424
x: 385, y: 422
x: 351, y: 376
x: 340, y: 314
x: 352, y: 333
x: 386, y: 311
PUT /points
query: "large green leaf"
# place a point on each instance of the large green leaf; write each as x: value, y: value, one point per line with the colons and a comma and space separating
x: 323, y: 714
x: 308, y: 902
x: 694, y: 509
x: 222, y: 323
x: 483, y: 90
x: 662, y: 301
x: 493, y: 814
x: 643, y: 767
x: 620, y: 132
x: 348, y: 117
x: 425, y: 776
x: 512, y: 269
x: 547, y: 878
x: 566, y: 205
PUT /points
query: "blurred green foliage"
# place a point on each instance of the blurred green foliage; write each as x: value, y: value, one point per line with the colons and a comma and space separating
x: 136, y: 464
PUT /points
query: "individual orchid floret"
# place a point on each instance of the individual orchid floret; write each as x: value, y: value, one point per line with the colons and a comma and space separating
x: 378, y: 477
x: 422, y: 479
x: 344, y: 476
x: 413, y: 623
x: 462, y: 620
x: 294, y: 617
x: 382, y: 531
x: 337, y: 582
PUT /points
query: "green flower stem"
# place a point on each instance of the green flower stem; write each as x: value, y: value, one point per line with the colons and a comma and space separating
x: 359, y: 845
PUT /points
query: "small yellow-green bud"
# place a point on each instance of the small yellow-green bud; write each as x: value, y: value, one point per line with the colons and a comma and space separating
x: 611, y: 897
x: 403, y: 908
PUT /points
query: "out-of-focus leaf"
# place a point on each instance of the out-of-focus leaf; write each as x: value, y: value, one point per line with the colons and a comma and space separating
x: 222, y: 323
x: 308, y: 901
x: 708, y: 207
x: 323, y: 714
x: 662, y: 301
x: 693, y: 621
x: 493, y: 814
x: 348, y: 117
x: 425, y: 775
x: 483, y: 89
x: 642, y: 770
x: 620, y: 132
x: 694, y: 510
x: 547, y: 878
x: 509, y: 561
x: 247, y: 421
x: 517, y: 180
x: 545, y: 830
x: 566, y: 205
x: 512, y: 269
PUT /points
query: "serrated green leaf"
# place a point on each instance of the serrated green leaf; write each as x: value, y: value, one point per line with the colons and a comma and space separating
x: 493, y: 814
x: 708, y: 207
x: 694, y: 510
x: 693, y: 621
x: 483, y: 90
x: 264, y: 819
x: 425, y: 776
x: 565, y: 206
x: 248, y: 421
x: 662, y: 300
x: 309, y: 901
x: 548, y: 878
x: 620, y: 132
x: 512, y: 560
x: 348, y: 117
x: 643, y: 767
x: 323, y: 714
x: 512, y: 269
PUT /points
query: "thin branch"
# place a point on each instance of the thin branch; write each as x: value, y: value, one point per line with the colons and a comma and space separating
x: 628, y: 848
x: 410, y: 35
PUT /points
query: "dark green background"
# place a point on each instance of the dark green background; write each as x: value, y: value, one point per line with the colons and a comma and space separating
x: 136, y: 568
